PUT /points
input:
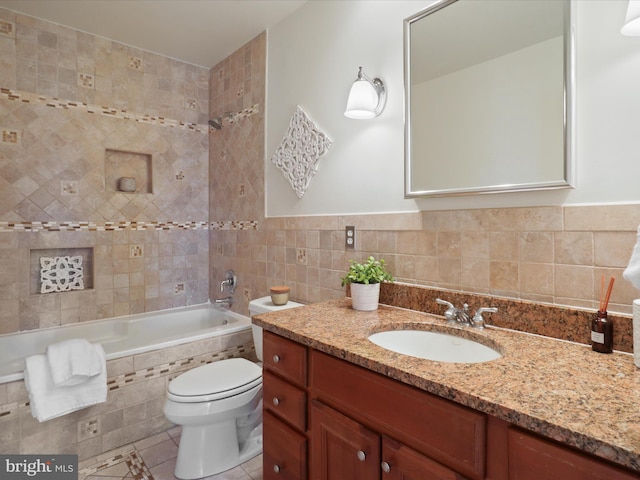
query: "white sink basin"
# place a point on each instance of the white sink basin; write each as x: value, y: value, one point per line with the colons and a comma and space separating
x: 437, y: 346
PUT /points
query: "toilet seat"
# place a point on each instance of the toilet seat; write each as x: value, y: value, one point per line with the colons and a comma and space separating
x: 215, y: 381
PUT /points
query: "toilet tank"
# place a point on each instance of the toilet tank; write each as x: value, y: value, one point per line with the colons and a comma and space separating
x: 265, y: 305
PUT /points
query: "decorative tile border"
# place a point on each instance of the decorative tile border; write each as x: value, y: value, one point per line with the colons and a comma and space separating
x: 107, y: 463
x: 121, y: 113
x: 137, y: 468
x: 27, y: 97
x: 172, y: 368
x: 246, y: 113
x: 235, y: 225
x: 120, y: 226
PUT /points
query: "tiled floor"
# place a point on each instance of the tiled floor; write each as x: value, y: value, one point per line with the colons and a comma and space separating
x: 154, y: 458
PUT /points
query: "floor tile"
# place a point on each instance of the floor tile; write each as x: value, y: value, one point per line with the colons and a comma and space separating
x: 164, y: 471
x: 159, y: 453
x: 153, y: 440
x: 154, y: 458
x: 236, y: 473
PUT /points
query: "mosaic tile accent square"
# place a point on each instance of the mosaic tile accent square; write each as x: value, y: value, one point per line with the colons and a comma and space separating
x: 7, y: 28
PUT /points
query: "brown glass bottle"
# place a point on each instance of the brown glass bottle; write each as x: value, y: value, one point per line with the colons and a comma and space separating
x: 601, y: 333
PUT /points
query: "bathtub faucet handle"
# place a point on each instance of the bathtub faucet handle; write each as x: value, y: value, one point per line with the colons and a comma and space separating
x: 229, y: 282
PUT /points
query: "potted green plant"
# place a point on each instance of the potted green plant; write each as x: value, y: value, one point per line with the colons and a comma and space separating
x: 364, y: 280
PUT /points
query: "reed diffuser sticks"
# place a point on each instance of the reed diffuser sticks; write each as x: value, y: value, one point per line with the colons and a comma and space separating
x: 604, y: 297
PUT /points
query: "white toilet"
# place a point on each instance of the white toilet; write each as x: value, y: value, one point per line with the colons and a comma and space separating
x: 219, y: 406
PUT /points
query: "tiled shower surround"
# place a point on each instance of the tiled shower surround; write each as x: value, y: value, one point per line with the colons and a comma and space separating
x: 205, y: 215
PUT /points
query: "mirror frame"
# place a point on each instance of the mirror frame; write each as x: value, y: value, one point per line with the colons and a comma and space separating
x: 569, y: 113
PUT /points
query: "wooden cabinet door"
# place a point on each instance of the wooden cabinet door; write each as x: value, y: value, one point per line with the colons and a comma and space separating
x: 284, y: 451
x: 534, y: 458
x: 340, y: 448
x: 400, y: 462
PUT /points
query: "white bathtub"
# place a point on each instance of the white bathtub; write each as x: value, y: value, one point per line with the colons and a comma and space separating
x: 123, y: 336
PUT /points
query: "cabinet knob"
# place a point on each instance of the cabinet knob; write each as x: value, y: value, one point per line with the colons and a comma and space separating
x: 276, y: 468
x: 276, y: 401
x: 386, y: 468
x: 276, y: 359
x: 361, y: 455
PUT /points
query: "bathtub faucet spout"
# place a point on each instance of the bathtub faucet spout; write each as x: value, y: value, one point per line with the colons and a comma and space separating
x: 226, y: 301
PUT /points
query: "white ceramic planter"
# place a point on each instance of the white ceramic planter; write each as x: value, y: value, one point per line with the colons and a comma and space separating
x: 365, y: 297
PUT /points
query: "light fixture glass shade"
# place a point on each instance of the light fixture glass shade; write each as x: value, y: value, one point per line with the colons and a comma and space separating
x: 631, y: 25
x: 366, y: 98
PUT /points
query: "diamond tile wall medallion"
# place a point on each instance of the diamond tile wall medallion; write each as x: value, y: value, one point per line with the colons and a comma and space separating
x: 61, y: 274
x: 299, y: 154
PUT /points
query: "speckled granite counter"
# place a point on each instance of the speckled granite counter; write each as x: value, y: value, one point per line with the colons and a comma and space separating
x: 561, y: 390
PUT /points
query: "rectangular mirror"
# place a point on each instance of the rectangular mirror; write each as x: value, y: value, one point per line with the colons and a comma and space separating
x: 489, y: 91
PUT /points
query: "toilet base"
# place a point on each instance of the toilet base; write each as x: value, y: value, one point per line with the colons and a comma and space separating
x: 203, y: 456
x: 210, y: 444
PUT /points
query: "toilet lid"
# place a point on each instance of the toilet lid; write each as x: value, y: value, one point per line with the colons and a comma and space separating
x: 217, y: 380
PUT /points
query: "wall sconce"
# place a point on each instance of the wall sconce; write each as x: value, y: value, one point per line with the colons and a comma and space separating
x: 366, y: 97
x: 631, y: 25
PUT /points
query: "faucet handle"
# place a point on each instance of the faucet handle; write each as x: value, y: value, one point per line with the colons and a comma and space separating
x: 478, y: 320
x: 450, y: 314
x: 230, y: 280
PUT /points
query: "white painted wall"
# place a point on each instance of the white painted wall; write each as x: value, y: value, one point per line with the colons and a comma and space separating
x: 313, y: 56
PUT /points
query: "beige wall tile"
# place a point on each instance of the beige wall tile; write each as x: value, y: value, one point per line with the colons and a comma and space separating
x: 450, y: 244
x: 536, y: 247
x: 476, y: 273
x: 573, y: 281
x: 575, y: 248
x: 613, y: 249
x: 602, y: 218
x: 537, y: 278
x: 504, y: 276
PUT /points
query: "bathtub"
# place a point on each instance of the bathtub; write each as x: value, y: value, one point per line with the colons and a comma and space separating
x: 123, y: 336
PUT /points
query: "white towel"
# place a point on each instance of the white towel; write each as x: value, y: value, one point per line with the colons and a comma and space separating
x: 50, y: 401
x: 632, y: 272
x: 73, y: 361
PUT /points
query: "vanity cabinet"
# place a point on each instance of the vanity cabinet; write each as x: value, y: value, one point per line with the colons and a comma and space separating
x: 285, y: 409
x: 421, y: 429
x: 328, y: 419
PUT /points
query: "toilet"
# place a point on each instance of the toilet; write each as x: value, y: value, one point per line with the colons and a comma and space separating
x: 219, y: 406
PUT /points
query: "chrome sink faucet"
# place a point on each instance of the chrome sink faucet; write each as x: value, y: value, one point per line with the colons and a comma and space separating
x: 462, y: 316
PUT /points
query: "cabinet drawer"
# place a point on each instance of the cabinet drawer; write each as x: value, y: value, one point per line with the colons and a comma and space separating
x: 534, y: 458
x: 445, y: 431
x: 284, y: 451
x: 285, y: 357
x: 285, y: 400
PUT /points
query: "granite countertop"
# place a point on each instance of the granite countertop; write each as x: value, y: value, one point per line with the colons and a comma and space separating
x: 562, y: 390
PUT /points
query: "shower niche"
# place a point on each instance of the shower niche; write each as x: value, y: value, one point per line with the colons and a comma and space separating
x: 128, y: 172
